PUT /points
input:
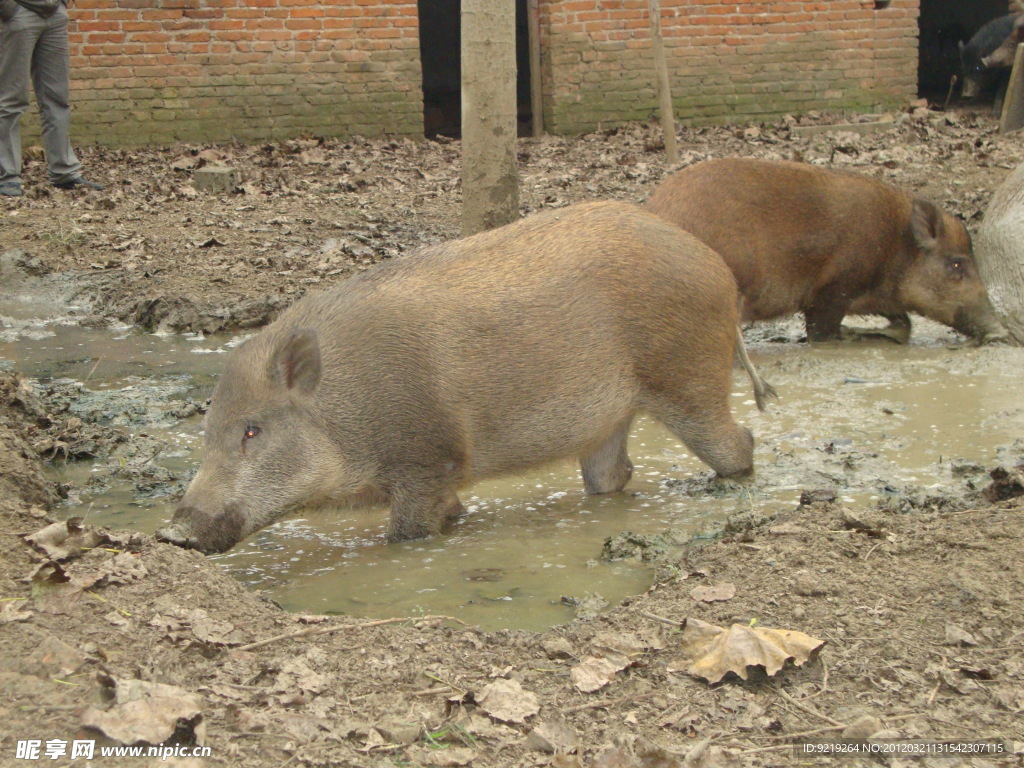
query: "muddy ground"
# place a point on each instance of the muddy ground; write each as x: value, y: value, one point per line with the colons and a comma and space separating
x: 920, y: 603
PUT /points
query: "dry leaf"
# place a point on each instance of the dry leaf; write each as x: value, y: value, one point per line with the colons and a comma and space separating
x: 714, y: 651
x: 185, y: 163
x: 12, y: 611
x: 713, y: 592
x: 64, y: 540
x: 507, y: 701
x: 56, y: 591
x: 148, y: 713
x: 553, y: 735
x: 297, y: 675
x: 53, y: 658
x: 626, y: 644
x: 594, y: 673
x: 958, y: 636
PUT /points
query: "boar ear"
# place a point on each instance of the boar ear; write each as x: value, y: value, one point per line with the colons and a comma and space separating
x: 295, y: 363
x: 926, y: 223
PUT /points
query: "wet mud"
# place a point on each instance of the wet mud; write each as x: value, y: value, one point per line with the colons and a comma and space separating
x: 118, y: 417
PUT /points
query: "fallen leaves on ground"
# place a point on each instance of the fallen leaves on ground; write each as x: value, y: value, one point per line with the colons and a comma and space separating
x: 611, y: 652
x: 713, y: 652
x: 507, y: 701
x: 148, y: 713
x: 65, y: 540
x: 711, y: 593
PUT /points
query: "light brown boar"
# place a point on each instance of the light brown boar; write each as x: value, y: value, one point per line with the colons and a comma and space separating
x: 799, y: 238
x: 1001, y: 253
x: 534, y: 342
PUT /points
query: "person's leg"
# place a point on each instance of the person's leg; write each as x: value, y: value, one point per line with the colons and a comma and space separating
x: 51, y: 71
x: 17, y: 40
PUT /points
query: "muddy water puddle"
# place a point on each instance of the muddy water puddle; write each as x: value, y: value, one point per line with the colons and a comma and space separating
x: 872, y: 420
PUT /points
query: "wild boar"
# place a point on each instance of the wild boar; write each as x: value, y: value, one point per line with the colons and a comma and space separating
x: 829, y: 243
x: 1002, y: 57
x: 1001, y: 253
x: 515, y: 347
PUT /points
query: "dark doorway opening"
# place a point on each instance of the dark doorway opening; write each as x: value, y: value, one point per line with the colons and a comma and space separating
x: 944, y: 25
x: 440, y: 56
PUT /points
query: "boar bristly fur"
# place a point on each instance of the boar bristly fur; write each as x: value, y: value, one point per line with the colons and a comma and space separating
x: 829, y: 243
x: 490, y: 355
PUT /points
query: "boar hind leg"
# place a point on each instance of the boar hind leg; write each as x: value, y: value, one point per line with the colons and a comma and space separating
x: 704, y: 424
x: 421, y: 509
x: 608, y: 469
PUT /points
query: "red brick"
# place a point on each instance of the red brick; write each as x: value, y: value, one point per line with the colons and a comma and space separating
x: 799, y: 52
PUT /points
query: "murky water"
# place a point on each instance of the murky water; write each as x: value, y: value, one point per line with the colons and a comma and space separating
x: 871, y: 419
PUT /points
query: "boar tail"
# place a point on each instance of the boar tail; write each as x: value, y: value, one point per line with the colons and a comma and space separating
x: 762, y: 389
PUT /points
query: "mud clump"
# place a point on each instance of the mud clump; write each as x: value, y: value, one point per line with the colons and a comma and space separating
x: 21, y: 476
x: 647, y: 548
x: 1006, y: 484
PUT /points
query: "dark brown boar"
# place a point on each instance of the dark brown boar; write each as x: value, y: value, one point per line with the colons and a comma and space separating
x: 1003, y: 56
x: 828, y: 243
x: 530, y: 343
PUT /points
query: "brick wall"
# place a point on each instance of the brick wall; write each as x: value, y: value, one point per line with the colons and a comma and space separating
x: 727, y: 60
x: 152, y: 71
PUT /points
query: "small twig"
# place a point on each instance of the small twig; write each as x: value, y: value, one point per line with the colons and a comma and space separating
x: 441, y: 680
x: 342, y: 628
x: 151, y: 458
x: 430, y: 691
x: 93, y: 369
x: 935, y: 690
x: 662, y: 619
x: 809, y: 710
x: 949, y: 94
x: 609, y: 702
x: 873, y: 549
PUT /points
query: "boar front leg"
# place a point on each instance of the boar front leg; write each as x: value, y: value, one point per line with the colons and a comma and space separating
x: 419, y: 508
x: 608, y: 469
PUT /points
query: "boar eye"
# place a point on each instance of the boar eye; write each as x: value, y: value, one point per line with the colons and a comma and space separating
x: 251, y: 431
x: 957, y: 265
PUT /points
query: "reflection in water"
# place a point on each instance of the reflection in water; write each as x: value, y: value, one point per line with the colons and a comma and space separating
x: 870, y: 419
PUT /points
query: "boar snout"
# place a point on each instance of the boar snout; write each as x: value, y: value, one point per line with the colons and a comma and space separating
x: 193, y: 528
x: 175, y: 534
x: 984, y: 329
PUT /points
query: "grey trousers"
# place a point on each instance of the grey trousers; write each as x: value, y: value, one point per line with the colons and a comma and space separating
x: 35, y: 48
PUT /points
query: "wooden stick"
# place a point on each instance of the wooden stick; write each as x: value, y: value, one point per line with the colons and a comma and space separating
x: 1012, y: 116
x: 536, y: 84
x: 668, y: 121
x: 663, y: 620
